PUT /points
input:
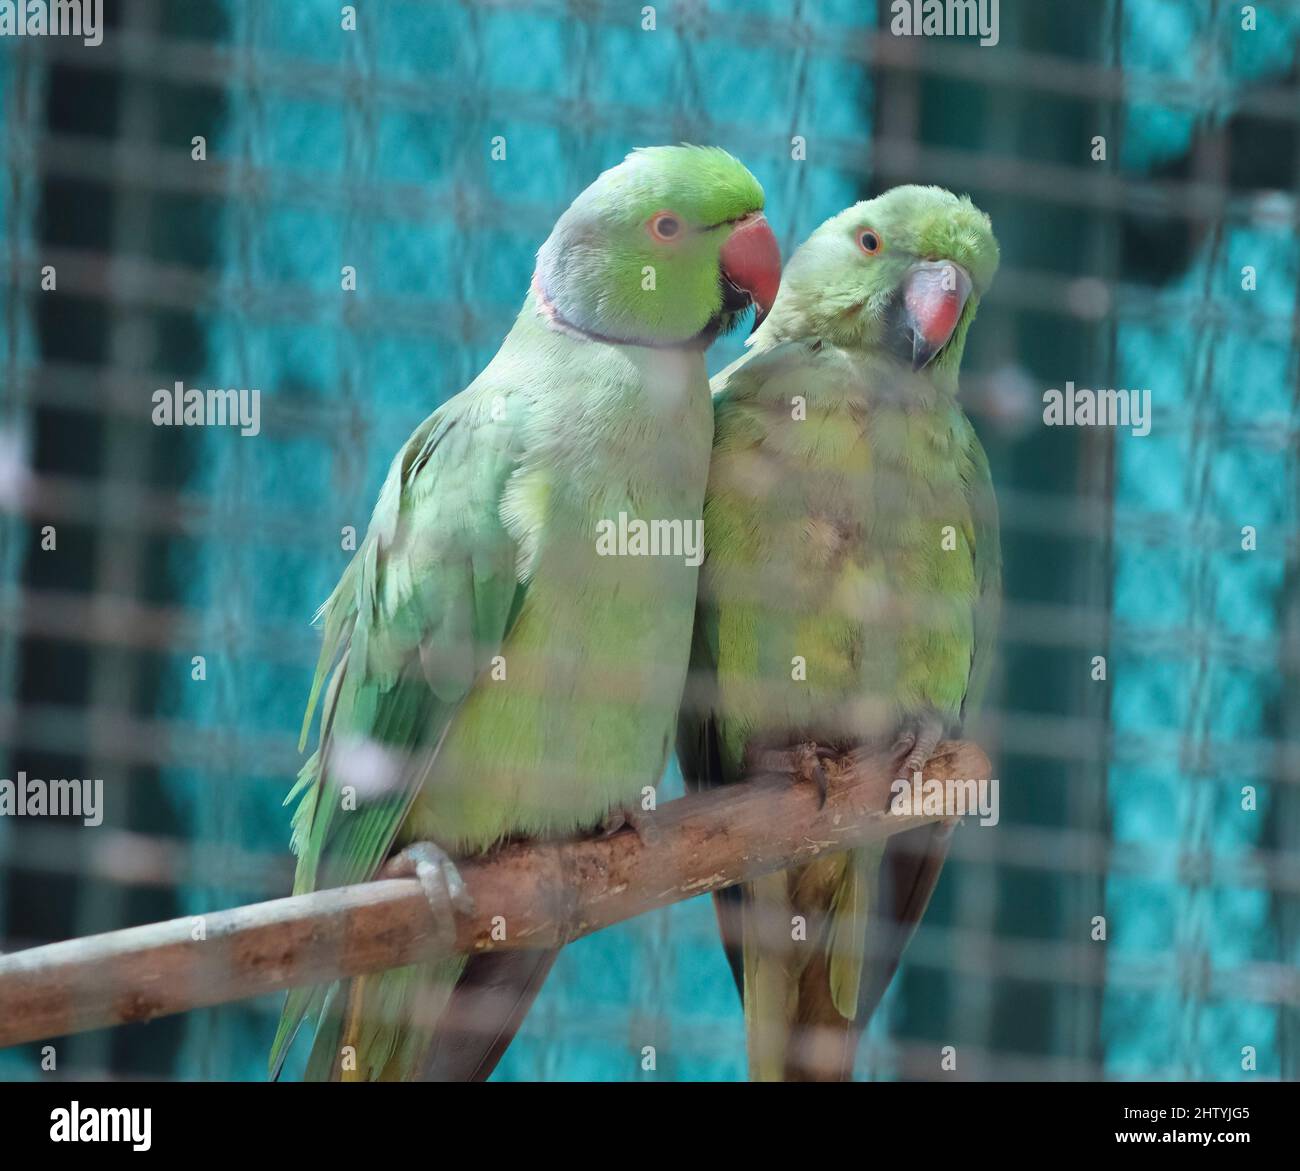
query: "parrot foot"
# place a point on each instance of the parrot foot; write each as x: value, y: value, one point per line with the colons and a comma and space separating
x: 918, y: 740
x: 803, y: 762
x: 633, y: 817
x: 439, y: 879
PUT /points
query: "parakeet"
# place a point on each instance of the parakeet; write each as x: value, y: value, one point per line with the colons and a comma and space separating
x: 848, y: 595
x: 492, y: 673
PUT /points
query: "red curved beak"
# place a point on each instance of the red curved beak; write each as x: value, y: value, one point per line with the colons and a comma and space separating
x: 934, y: 295
x: 751, y: 261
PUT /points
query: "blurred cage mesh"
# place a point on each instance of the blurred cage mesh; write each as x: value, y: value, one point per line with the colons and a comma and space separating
x: 372, y: 148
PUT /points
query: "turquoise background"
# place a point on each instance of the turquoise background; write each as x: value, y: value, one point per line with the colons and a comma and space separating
x: 372, y: 148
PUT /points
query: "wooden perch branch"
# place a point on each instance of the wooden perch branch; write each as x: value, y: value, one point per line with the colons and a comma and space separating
x: 547, y: 894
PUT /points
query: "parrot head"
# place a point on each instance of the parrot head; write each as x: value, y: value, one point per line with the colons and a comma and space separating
x: 666, y: 249
x: 903, y: 273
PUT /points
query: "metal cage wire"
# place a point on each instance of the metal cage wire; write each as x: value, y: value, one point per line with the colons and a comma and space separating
x: 370, y: 148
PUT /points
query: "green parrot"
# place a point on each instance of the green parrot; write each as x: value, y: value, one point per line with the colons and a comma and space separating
x: 492, y: 672
x: 848, y: 596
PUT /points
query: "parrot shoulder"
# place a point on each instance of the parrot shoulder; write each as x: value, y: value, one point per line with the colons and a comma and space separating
x: 769, y: 387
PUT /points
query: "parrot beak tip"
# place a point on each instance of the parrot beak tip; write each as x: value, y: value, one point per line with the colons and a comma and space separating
x: 751, y: 263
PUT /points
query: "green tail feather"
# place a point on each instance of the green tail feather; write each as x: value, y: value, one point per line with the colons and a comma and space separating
x: 769, y: 986
x: 300, y: 1005
x: 329, y: 1033
x: 847, y: 937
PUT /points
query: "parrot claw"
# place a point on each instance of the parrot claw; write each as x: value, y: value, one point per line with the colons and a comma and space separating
x: 918, y: 742
x: 633, y: 817
x: 439, y: 879
x: 803, y: 763
x: 809, y: 768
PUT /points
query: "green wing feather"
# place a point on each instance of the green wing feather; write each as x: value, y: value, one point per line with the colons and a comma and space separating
x: 699, y: 753
x: 423, y: 605
x: 988, y: 574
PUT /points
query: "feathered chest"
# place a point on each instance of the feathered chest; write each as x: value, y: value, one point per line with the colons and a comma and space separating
x: 823, y: 497
x: 628, y: 447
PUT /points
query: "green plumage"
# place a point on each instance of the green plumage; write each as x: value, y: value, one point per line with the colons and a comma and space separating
x: 850, y: 583
x: 489, y: 674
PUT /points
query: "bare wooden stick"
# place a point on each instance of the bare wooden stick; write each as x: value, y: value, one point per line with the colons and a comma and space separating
x: 539, y: 894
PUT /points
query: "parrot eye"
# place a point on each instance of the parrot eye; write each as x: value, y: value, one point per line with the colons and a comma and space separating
x: 869, y: 242
x: 665, y: 226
